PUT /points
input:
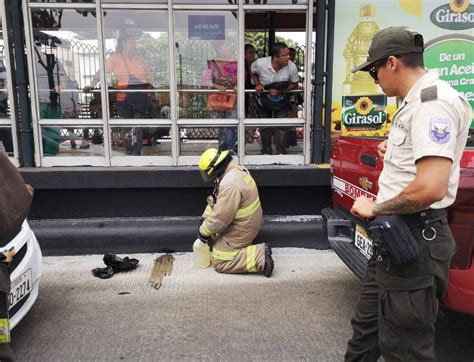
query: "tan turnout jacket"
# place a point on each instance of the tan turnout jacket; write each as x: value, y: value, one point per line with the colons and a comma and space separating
x: 234, y: 221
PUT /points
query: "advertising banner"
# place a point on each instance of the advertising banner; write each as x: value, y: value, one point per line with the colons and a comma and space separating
x: 361, y: 108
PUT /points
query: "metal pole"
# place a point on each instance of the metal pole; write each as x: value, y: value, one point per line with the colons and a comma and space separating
x: 329, y: 71
x: 319, y: 81
x: 20, y: 98
x: 271, y: 30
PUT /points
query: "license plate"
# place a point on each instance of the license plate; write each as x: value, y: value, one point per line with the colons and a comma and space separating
x: 20, y: 288
x: 363, y: 242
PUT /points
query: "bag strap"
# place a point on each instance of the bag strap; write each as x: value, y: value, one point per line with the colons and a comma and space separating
x: 219, y: 71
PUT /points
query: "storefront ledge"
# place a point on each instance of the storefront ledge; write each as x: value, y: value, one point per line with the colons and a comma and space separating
x: 164, y: 177
x: 162, y: 234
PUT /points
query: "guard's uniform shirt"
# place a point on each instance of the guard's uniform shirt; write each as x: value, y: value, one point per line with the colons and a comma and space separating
x: 234, y: 221
x: 433, y: 120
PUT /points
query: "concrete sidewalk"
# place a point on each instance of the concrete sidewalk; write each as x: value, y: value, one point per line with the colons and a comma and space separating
x: 301, y: 312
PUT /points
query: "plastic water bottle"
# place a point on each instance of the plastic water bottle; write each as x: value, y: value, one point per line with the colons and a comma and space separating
x: 201, y: 255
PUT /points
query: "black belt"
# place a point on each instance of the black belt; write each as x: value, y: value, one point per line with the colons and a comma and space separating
x: 424, y: 217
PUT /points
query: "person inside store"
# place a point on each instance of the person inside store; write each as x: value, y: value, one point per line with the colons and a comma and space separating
x: 131, y: 72
x: 408, y: 274
x: 57, y: 98
x: 224, y: 104
x: 233, y: 216
x: 274, y: 76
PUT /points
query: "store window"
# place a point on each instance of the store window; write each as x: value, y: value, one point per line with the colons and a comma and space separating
x: 275, y: 110
x: 206, y: 76
x: 65, y: 51
x: 109, y: 91
x: 138, y: 83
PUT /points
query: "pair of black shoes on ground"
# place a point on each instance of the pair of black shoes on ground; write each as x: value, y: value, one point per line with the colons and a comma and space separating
x: 114, y: 265
x: 269, y: 264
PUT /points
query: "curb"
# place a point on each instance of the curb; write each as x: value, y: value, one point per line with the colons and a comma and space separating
x: 161, y: 234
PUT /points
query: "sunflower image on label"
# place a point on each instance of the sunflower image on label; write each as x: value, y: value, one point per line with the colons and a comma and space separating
x: 364, y: 115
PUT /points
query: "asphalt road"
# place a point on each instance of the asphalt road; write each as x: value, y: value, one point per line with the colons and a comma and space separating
x: 301, y: 313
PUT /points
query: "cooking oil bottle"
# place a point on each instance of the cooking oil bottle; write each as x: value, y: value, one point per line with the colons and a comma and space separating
x: 355, y: 53
x: 201, y: 255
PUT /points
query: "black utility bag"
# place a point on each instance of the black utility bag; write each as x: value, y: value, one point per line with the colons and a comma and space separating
x: 267, y: 101
x: 394, y: 240
x: 15, y: 200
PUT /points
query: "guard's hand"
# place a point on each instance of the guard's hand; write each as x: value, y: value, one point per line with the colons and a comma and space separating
x: 259, y: 87
x: 363, y: 207
x: 87, y: 89
x: 382, y: 148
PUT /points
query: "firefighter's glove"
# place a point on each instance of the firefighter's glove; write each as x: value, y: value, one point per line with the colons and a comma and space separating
x: 6, y: 256
x: 394, y: 239
x: 205, y: 239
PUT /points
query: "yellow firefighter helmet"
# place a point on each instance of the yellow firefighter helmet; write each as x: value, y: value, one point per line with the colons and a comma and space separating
x: 211, y: 163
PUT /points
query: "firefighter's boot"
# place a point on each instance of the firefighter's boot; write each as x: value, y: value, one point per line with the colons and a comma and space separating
x: 269, y: 264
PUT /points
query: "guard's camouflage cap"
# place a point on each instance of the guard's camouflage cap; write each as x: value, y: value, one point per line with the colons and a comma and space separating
x: 392, y: 41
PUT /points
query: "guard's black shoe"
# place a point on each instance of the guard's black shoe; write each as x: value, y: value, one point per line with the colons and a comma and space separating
x: 269, y: 264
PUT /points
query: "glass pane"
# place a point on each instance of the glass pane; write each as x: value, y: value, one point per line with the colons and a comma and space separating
x: 206, y: 62
x: 136, y: 62
x: 264, y: 140
x: 6, y: 141
x: 195, y: 140
x: 194, y: 105
x: 246, y: 2
x: 66, y: 59
x: 62, y: 1
x: 141, y: 141
x: 275, y: 2
x: 134, y: 1
x: 282, y: 77
x: 207, y: 2
x: 72, y: 141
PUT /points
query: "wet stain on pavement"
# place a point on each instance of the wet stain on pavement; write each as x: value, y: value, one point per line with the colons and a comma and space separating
x: 163, y: 266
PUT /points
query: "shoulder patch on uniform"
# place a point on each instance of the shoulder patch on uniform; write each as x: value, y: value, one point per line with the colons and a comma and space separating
x: 429, y: 93
x: 440, y: 130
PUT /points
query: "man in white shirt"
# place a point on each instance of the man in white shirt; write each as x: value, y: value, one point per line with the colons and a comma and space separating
x: 276, y: 75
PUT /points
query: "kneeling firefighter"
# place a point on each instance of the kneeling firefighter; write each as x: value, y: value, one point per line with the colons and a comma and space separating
x: 233, y: 217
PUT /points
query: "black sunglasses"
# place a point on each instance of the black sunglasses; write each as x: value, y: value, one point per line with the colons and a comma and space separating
x: 373, y: 69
